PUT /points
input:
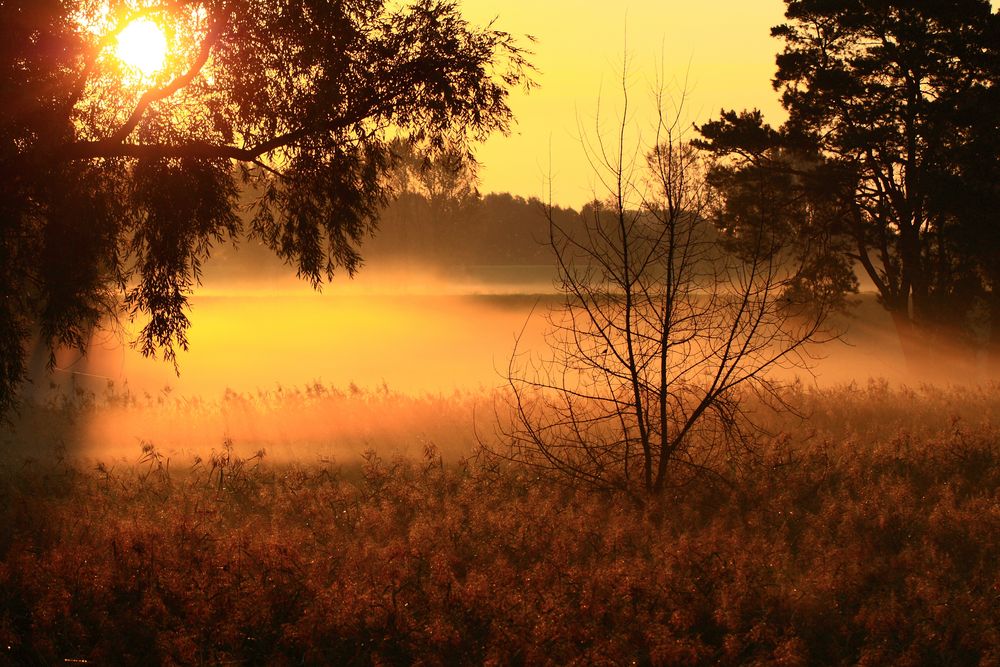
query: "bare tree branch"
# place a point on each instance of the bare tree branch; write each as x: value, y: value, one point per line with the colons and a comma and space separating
x: 664, y: 336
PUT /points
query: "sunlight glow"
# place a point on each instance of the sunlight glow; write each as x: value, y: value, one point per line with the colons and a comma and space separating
x: 142, y: 46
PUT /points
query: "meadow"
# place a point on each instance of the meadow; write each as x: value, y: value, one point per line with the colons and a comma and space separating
x: 864, y: 533
x: 189, y: 474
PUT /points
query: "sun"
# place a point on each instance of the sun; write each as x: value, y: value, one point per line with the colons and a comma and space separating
x: 142, y: 46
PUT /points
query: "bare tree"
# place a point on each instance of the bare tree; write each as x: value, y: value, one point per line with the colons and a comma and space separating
x: 667, y: 331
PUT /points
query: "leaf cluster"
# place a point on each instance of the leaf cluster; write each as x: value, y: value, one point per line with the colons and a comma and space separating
x: 116, y: 188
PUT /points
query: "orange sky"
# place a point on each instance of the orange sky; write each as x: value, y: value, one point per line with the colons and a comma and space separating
x: 724, y: 46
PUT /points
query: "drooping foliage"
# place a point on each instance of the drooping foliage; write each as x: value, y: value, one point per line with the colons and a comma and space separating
x: 117, y: 183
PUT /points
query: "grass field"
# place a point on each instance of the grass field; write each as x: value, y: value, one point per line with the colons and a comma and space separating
x: 866, y: 533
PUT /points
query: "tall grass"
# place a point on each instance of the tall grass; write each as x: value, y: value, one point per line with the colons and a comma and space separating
x: 867, y: 534
x: 305, y: 424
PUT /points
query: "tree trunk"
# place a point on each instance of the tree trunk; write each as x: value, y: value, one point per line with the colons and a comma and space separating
x: 911, y: 341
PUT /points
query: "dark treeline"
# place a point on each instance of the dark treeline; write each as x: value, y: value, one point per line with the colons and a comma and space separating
x: 491, y: 229
x: 498, y: 229
x: 439, y: 218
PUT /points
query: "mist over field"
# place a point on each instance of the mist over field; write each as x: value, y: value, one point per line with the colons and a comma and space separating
x: 393, y: 359
x: 416, y: 330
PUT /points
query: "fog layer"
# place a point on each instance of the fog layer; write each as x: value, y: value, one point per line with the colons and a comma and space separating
x: 390, y: 360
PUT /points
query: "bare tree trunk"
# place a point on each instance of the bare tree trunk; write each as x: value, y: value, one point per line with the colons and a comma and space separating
x: 662, y: 333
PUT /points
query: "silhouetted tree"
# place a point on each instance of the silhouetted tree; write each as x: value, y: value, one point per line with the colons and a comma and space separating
x: 115, y: 186
x: 435, y: 187
x: 887, y: 103
x: 445, y: 175
x: 666, y: 335
x: 774, y: 179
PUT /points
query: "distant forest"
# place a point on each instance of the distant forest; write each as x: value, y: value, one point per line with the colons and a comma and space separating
x: 437, y: 232
x: 495, y: 229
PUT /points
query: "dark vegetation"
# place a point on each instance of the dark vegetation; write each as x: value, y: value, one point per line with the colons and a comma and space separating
x: 439, y: 218
x: 420, y: 233
x: 115, y: 192
x: 867, y: 535
x: 889, y: 158
x: 494, y: 229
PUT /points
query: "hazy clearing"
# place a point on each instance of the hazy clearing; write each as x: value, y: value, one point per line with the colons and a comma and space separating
x: 382, y: 362
x: 310, y: 491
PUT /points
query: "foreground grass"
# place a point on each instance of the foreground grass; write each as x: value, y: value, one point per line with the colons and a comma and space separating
x: 837, y: 547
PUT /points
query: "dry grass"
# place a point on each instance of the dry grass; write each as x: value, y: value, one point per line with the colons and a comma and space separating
x: 306, y: 424
x: 867, y: 534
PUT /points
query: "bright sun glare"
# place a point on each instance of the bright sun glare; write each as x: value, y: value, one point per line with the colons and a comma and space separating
x: 142, y: 46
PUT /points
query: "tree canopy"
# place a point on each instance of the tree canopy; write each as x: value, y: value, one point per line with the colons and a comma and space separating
x: 892, y: 111
x: 117, y: 182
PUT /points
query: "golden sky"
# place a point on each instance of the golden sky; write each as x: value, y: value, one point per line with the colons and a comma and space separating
x: 723, y: 47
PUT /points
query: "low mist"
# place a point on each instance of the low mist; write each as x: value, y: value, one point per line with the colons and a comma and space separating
x: 397, y: 358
